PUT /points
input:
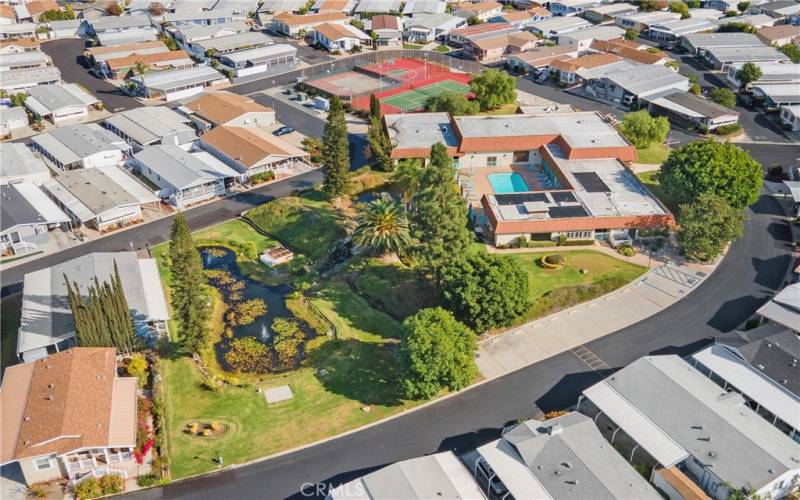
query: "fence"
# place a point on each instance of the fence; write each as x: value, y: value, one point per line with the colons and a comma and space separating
x: 348, y: 63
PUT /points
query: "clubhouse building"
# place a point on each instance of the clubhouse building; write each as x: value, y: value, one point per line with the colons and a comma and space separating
x: 537, y: 176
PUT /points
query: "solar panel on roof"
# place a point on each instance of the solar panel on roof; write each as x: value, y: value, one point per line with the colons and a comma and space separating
x: 591, y: 182
x: 568, y: 211
x: 563, y: 197
x: 519, y: 198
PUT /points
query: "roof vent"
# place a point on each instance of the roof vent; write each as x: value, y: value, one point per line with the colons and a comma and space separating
x: 566, y: 464
x: 50, y: 386
x: 771, y: 471
x: 557, y: 472
x: 555, y: 429
x: 712, y: 454
x: 698, y: 427
x: 27, y: 442
x: 574, y: 481
x: 784, y: 381
x: 47, y: 367
x: 760, y: 367
x: 49, y: 397
x: 27, y: 418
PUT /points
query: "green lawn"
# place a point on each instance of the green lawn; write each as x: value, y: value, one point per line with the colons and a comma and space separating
x: 359, y: 371
x: 306, y: 224
x: 654, y: 153
x: 505, y: 109
x: 10, y: 310
x: 394, y: 288
x: 551, y: 290
x: 650, y: 181
x: 236, y: 230
x: 412, y: 46
x: 442, y: 48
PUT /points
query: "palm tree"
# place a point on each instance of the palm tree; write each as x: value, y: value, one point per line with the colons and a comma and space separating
x: 382, y: 227
x: 407, y: 177
x: 140, y: 68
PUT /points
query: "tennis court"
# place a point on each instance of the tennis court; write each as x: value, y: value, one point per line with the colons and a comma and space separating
x: 414, y: 100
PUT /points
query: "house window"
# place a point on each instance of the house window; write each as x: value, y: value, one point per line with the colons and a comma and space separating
x: 520, y: 156
x: 491, y: 161
x: 42, y: 463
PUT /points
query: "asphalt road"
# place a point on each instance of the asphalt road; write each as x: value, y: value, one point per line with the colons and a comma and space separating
x: 755, y: 266
x: 67, y: 55
x: 155, y: 232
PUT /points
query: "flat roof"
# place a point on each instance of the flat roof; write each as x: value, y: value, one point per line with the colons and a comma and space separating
x: 29, y: 57
x: 420, y: 131
x: 779, y: 91
x: 190, y: 32
x: 689, y: 104
x: 644, y: 80
x: 71, y: 143
x: 244, y: 39
x: 596, y: 33
x: 746, y: 54
x: 170, y: 79
x: 701, y: 418
x: 47, y: 99
x: 197, y: 14
x: 784, y: 308
x: 282, y: 5
x: 20, y: 161
x: 149, y: 124
x: 95, y: 189
x: 117, y: 22
x: 570, y: 458
x: 776, y: 399
x: 46, y: 315
x: 260, y: 54
x: 182, y: 169
x: 438, y: 475
x: 23, y: 204
x: 580, y: 130
x: 379, y: 6
x: 29, y: 75
x: 124, y: 37
x: 557, y: 23
x: 684, y: 27
x: 710, y: 40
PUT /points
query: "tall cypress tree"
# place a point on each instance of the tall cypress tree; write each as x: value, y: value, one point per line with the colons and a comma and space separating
x: 188, y: 287
x: 374, y: 106
x: 379, y: 144
x: 99, y: 319
x: 336, y: 152
x: 439, y: 214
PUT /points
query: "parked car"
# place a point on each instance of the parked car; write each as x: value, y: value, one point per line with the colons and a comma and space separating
x: 283, y: 131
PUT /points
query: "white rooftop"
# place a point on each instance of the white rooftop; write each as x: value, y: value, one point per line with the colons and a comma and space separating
x: 170, y: 79
x: 47, y: 99
x: 777, y: 400
x: 420, y: 130
x: 701, y: 418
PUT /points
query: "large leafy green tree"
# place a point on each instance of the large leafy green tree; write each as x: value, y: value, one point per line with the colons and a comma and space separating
x: 493, y: 88
x: 407, y: 177
x: 711, y: 167
x: 681, y: 8
x: 748, y: 73
x: 189, y: 295
x: 723, y: 96
x: 381, y: 226
x: 336, y: 151
x: 439, y: 214
x: 707, y: 225
x: 791, y: 51
x: 485, y: 291
x: 437, y: 353
x: 451, y: 102
x: 642, y: 129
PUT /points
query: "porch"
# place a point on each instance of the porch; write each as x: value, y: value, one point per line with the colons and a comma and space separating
x: 95, y: 461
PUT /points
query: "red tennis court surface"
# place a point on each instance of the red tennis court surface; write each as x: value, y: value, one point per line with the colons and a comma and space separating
x: 410, y: 74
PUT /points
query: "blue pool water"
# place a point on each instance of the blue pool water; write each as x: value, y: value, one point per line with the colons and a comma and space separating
x: 508, y: 183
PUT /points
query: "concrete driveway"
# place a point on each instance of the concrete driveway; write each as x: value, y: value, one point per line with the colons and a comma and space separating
x: 67, y: 55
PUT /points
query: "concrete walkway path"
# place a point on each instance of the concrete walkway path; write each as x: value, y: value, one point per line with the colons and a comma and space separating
x: 570, y: 329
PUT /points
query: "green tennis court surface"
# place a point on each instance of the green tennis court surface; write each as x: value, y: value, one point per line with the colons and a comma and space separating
x: 415, y: 99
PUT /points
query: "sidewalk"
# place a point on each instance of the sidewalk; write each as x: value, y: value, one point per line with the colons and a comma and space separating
x: 656, y: 290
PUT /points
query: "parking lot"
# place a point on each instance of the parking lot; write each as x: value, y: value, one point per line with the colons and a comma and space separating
x: 67, y: 55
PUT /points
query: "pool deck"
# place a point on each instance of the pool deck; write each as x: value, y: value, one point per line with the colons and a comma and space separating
x: 476, y: 180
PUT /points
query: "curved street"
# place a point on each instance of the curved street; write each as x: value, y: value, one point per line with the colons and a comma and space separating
x: 754, y: 267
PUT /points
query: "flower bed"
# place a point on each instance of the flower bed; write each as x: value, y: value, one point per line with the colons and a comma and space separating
x: 553, y: 261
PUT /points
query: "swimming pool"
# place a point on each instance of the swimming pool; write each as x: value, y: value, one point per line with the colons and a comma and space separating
x: 508, y: 183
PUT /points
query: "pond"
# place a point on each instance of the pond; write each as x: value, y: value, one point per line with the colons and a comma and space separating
x: 375, y: 194
x: 224, y: 259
